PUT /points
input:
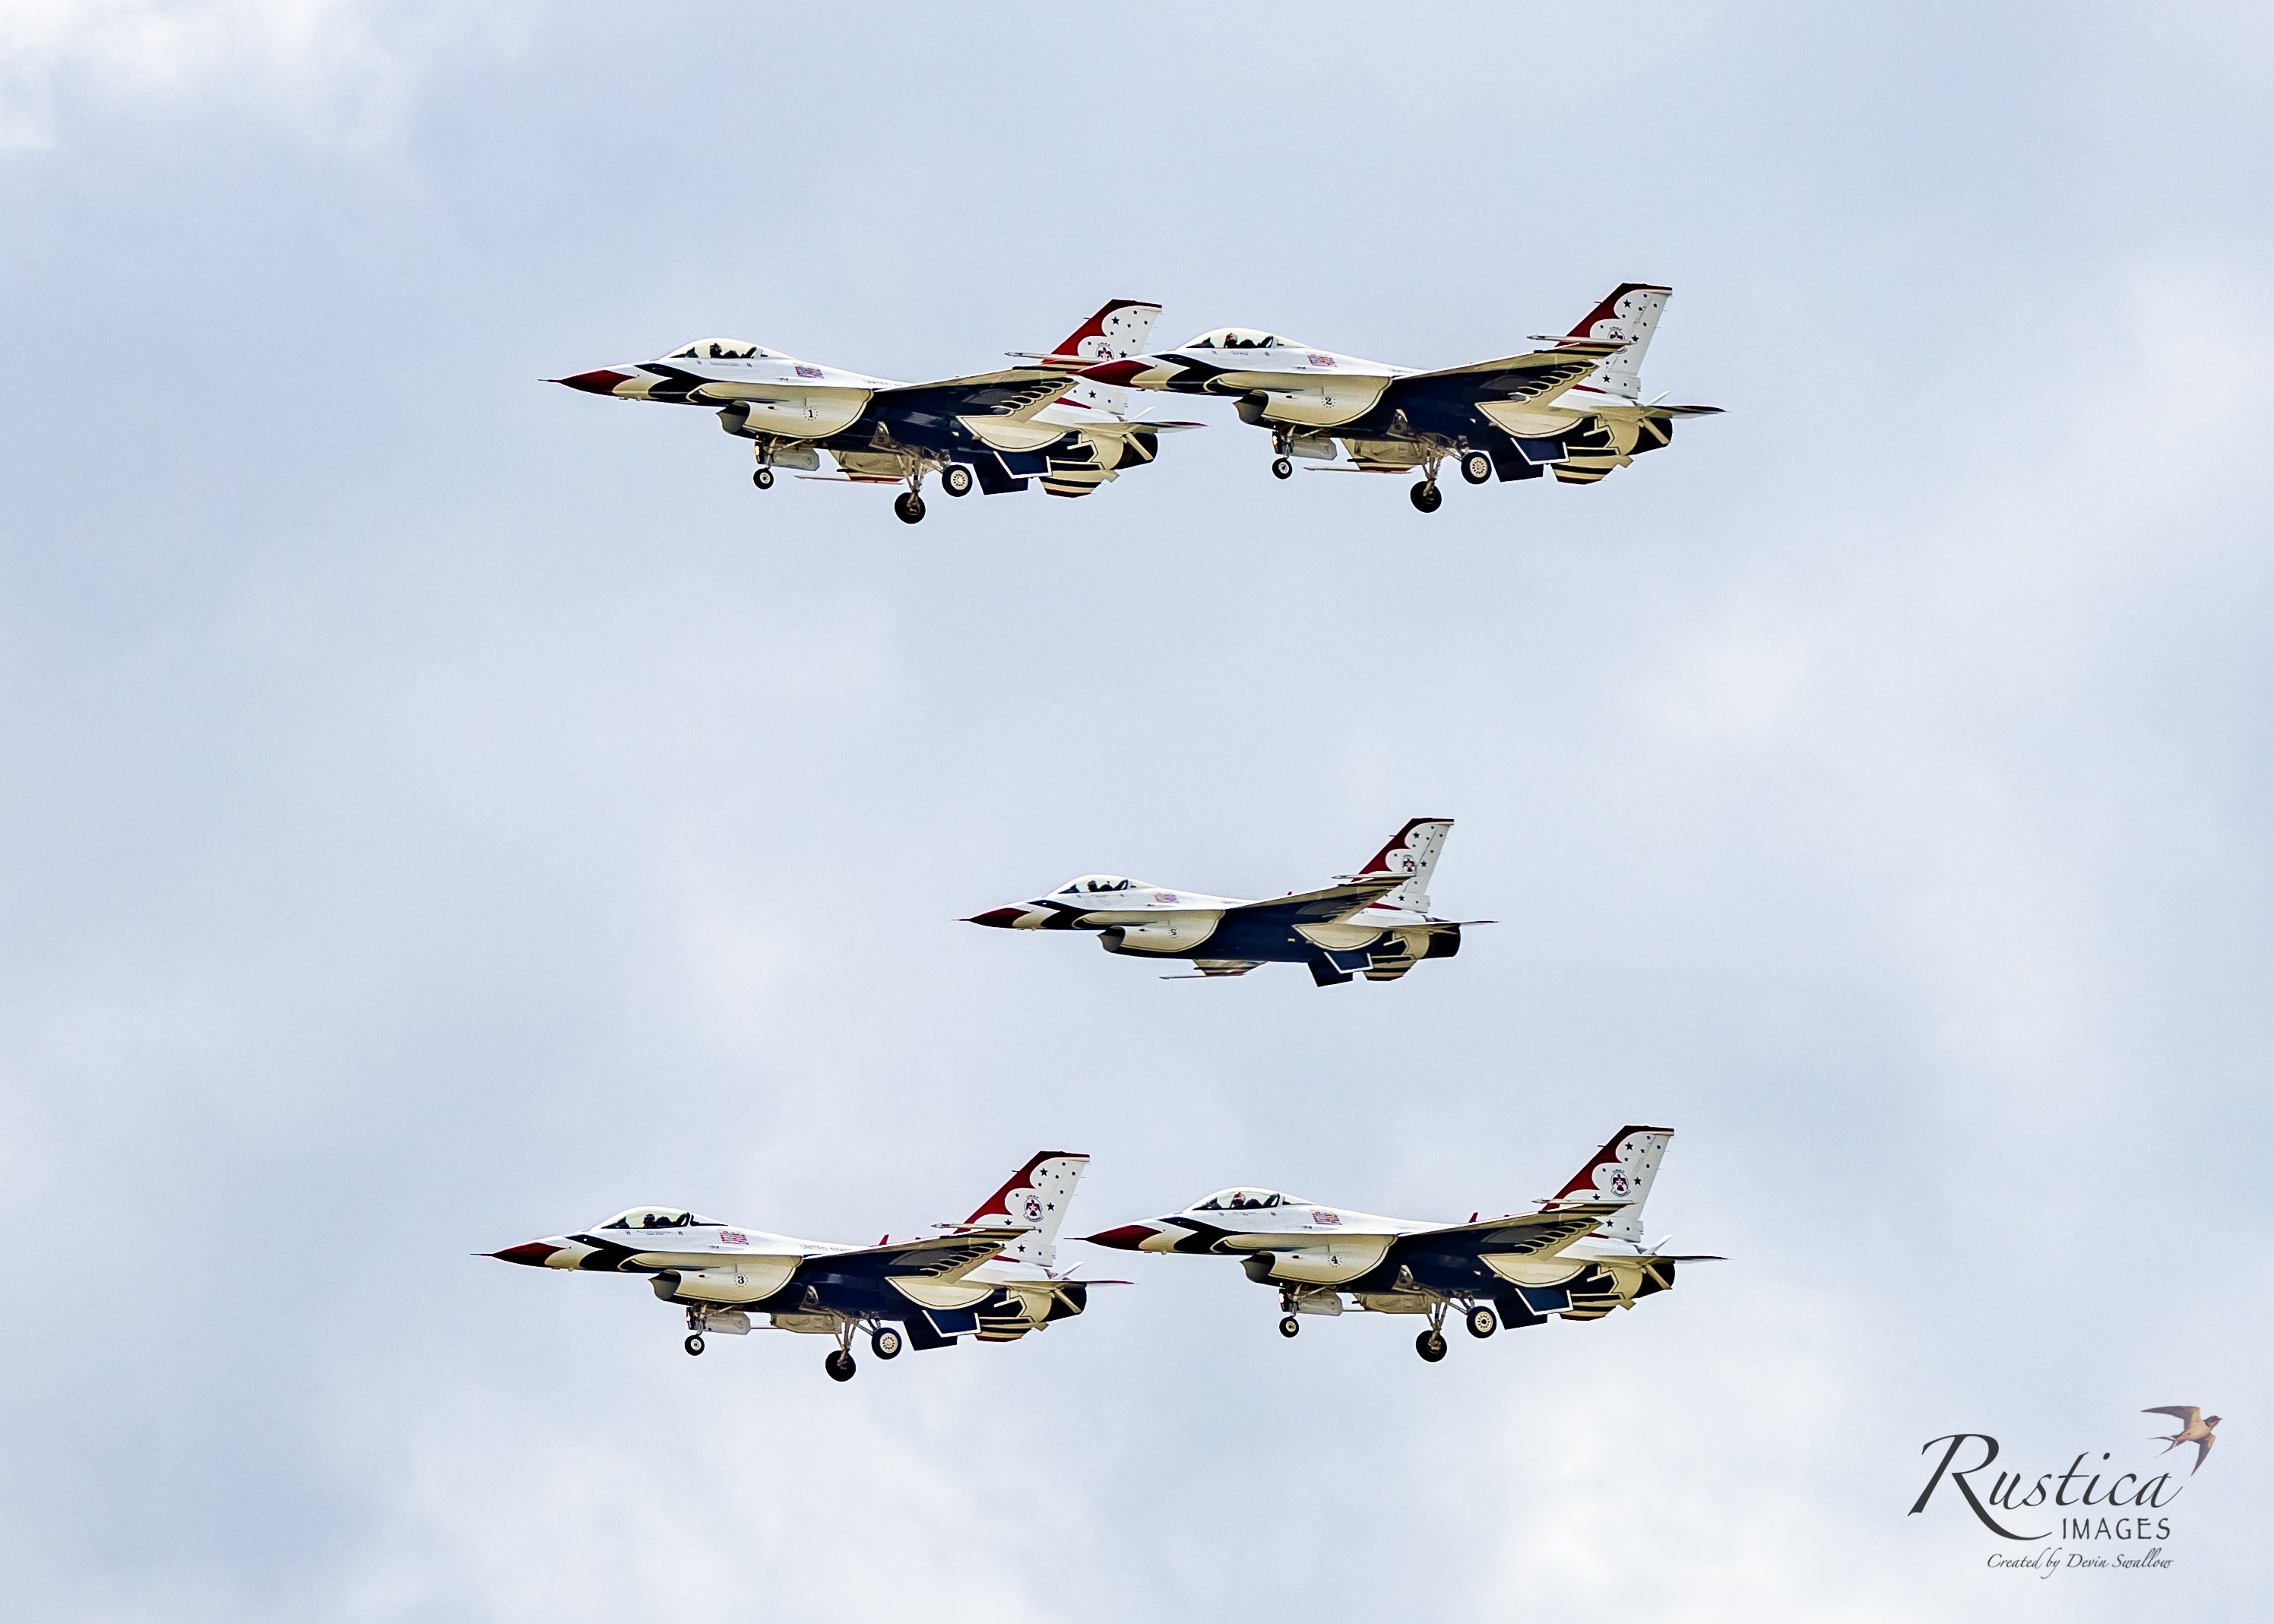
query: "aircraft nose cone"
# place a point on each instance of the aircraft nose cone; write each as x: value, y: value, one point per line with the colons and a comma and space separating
x: 1125, y: 1238
x: 1002, y: 919
x: 601, y: 382
x: 532, y: 1253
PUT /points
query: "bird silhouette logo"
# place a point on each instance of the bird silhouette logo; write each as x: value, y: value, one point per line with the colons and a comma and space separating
x: 2194, y: 1428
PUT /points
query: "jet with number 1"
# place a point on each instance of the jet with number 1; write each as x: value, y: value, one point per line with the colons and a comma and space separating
x: 998, y: 429
x: 1575, y: 408
x: 991, y: 1277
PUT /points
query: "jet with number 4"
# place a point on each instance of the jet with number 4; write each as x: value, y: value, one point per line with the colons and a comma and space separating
x: 1376, y: 921
x: 1578, y: 1256
x: 998, y: 430
x: 991, y: 1277
x: 1574, y: 409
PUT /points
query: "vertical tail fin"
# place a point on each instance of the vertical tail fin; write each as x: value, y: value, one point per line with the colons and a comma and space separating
x: 1412, y: 851
x: 1120, y: 329
x: 1621, y: 1171
x: 1631, y: 313
x: 1034, y: 1200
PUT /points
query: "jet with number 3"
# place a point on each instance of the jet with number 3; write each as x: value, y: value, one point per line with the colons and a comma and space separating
x: 991, y: 1277
x: 998, y: 430
x: 1574, y: 409
x: 1577, y: 1257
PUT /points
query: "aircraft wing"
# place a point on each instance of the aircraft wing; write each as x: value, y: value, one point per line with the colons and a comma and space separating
x: 1015, y: 390
x: 936, y: 1257
x: 1521, y: 1234
x: 1320, y: 907
x: 1537, y: 375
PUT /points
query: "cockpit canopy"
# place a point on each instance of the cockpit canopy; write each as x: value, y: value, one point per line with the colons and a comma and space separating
x: 720, y: 350
x: 1241, y: 338
x: 1091, y: 882
x: 1243, y: 1201
x: 659, y: 1218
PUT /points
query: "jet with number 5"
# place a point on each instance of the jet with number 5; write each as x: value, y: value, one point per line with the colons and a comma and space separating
x: 991, y: 1277
x: 1575, y: 409
x: 1376, y: 921
x: 998, y: 429
x: 1577, y: 1257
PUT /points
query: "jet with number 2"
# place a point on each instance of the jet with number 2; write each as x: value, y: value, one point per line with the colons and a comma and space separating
x: 991, y: 1277
x: 1376, y: 921
x: 1575, y: 409
x: 1577, y: 1257
x: 998, y: 429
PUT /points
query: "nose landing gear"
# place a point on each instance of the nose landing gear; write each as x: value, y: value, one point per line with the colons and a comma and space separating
x: 764, y: 479
x: 1291, y: 1326
x: 1283, y: 468
x: 694, y: 1343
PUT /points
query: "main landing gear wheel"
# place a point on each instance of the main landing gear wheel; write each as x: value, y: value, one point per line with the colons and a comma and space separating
x: 839, y: 1365
x: 764, y: 479
x: 1475, y: 468
x: 909, y: 506
x: 694, y: 1344
x: 955, y: 479
x: 1283, y: 468
x: 1428, y: 497
x: 1430, y: 1346
x: 885, y: 1343
x: 1291, y: 1326
x: 1482, y: 1323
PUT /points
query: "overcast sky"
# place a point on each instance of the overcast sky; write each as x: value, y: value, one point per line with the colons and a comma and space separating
x: 437, y: 809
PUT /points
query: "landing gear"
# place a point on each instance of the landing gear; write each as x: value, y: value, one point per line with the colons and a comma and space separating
x: 955, y: 479
x: 1427, y: 496
x: 885, y: 1343
x: 1283, y: 468
x: 1430, y: 1345
x: 910, y: 509
x: 1476, y: 467
x: 694, y: 1343
x: 1291, y: 1326
x: 764, y: 479
x: 1482, y: 1322
x: 839, y: 1365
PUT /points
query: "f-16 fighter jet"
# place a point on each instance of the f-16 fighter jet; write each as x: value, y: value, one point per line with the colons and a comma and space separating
x: 1577, y: 1257
x: 991, y: 1277
x: 1000, y: 429
x: 1376, y: 920
x: 1575, y: 408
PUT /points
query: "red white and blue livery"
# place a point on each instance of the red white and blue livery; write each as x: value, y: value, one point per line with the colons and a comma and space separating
x: 1376, y: 922
x: 1574, y: 409
x: 997, y: 430
x: 992, y: 1277
x: 1578, y: 1255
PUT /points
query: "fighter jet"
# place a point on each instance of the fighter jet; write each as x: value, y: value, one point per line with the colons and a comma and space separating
x: 1577, y: 1257
x: 1575, y: 408
x: 998, y: 429
x: 1376, y: 920
x: 991, y: 1277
